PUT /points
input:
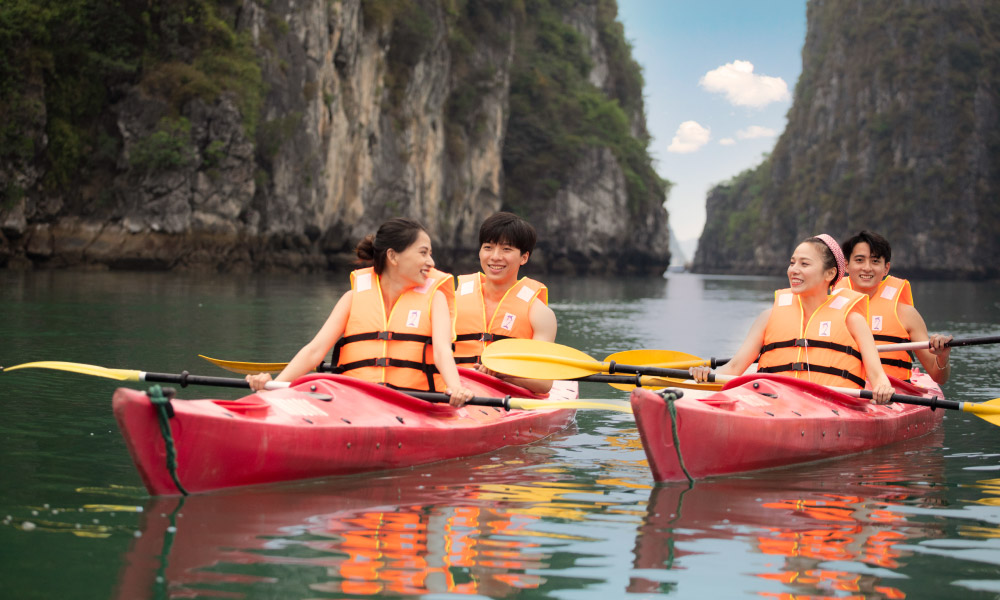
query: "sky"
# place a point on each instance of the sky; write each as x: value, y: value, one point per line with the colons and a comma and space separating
x: 719, y: 77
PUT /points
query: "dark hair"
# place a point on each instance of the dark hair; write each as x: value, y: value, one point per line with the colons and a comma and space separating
x: 877, y: 245
x: 397, y: 234
x: 508, y: 228
x: 829, y: 258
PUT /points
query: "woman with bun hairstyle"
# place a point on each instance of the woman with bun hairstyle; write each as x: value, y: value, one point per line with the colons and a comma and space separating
x: 394, y: 326
x: 812, y: 332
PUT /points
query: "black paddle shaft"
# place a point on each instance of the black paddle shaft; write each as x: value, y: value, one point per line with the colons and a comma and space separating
x: 933, y: 402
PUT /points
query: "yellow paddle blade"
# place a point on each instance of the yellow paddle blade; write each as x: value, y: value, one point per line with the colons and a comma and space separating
x: 535, y: 404
x: 535, y: 359
x: 94, y: 370
x: 988, y: 411
x: 667, y: 359
x: 246, y: 368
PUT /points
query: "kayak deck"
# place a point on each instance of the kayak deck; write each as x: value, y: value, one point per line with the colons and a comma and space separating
x: 766, y: 421
x: 323, y: 425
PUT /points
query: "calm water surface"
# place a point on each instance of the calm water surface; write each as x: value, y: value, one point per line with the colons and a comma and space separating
x: 575, y: 516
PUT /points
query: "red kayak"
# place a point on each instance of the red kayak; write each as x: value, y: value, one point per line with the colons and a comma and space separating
x: 763, y: 421
x: 322, y: 425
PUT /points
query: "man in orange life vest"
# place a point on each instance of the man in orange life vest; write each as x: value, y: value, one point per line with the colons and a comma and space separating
x: 893, y: 319
x: 494, y: 304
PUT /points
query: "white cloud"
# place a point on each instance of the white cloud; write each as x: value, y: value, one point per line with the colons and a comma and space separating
x: 690, y: 137
x: 727, y: 142
x: 743, y: 87
x: 756, y: 131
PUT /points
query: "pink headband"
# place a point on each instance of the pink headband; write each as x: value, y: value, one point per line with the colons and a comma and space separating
x: 838, y: 254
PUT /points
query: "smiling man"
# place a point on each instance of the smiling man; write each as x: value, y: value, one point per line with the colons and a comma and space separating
x: 892, y: 317
x: 494, y: 304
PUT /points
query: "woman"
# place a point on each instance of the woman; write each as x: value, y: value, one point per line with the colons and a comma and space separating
x: 810, y: 333
x: 394, y: 325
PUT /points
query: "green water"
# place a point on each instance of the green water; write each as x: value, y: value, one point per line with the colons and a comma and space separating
x: 575, y: 516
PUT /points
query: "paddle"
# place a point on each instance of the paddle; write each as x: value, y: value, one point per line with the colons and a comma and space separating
x: 184, y: 379
x: 547, y: 360
x: 532, y: 358
x: 662, y: 358
x: 907, y: 346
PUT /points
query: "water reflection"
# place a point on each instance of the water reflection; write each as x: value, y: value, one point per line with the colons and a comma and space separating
x: 823, y: 531
x: 438, y: 529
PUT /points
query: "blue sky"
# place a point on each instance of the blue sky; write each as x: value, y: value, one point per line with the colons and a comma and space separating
x: 719, y: 81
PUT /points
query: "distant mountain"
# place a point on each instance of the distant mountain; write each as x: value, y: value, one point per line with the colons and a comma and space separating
x: 894, y: 127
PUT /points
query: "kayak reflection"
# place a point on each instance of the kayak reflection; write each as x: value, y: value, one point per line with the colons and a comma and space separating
x: 465, y: 528
x: 801, y: 523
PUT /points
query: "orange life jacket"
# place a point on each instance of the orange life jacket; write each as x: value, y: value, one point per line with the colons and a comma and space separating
x: 510, y: 319
x: 886, y: 326
x: 820, y: 350
x: 394, y: 350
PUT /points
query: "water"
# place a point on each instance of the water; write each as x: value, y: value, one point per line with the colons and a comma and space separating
x: 576, y: 516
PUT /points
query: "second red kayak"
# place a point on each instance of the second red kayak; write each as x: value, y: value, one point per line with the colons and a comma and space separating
x: 322, y: 425
x: 765, y: 421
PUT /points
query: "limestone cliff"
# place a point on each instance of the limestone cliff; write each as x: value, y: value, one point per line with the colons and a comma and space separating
x: 894, y: 127
x: 250, y: 135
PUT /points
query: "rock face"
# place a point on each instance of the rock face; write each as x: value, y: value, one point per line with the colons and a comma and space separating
x: 367, y: 111
x: 893, y: 128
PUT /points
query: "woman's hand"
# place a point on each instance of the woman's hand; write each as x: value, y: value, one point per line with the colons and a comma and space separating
x: 937, y: 344
x: 459, y: 396
x: 258, y: 381
x: 882, y: 391
x: 700, y: 374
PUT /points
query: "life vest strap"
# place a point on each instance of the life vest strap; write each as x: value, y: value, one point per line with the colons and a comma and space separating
x: 480, y: 337
x: 376, y: 335
x: 802, y: 366
x: 462, y: 360
x: 890, y: 338
x: 895, y: 362
x: 808, y: 343
x: 427, y: 368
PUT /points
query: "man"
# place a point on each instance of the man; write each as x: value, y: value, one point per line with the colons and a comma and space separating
x: 893, y: 319
x: 494, y: 304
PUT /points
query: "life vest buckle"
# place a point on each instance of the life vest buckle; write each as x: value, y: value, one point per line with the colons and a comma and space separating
x: 382, y: 362
x: 486, y: 337
x: 384, y: 335
x: 801, y: 343
x: 800, y: 366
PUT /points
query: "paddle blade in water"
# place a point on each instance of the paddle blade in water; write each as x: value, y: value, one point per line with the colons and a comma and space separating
x: 246, y: 368
x: 538, y: 360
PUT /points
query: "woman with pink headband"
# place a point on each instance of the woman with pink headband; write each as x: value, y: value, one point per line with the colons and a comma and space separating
x: 811, y: 331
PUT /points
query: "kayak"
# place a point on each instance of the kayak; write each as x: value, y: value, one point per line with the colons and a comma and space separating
x: 762, y: 421
x: 322, y: 425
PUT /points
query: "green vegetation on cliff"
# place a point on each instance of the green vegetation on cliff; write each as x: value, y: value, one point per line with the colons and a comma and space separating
x: 63, y: 63
x: 556, y: 114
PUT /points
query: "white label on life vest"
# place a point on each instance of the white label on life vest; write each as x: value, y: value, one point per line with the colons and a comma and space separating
x: 363, y: 282
x: 526, y: 294
x: 888, y: 292
x: 839, y: 302
x: 413, y: 319
x: 508, y: 322
x: 785, y: 300
x: 876, y: 322
x: 467, y: 288
x: 824, y: 329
